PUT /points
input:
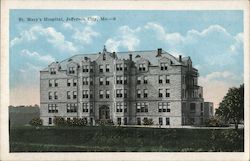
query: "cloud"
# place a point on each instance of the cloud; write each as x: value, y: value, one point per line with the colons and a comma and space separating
x: 126, y: 38
x: 52, y: 36
x: 85, y: 36
x: 36, y: 55
x: 216, y: 84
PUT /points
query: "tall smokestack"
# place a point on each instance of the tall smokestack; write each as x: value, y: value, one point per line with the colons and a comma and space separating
x: 159, y: 52
x: 180, y: 58
x: 130, y: 57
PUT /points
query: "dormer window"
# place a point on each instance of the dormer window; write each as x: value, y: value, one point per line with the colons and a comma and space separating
x: 142, y: 67
x: 71, y: 70
x: 164, y: 66
x: 52, y: 71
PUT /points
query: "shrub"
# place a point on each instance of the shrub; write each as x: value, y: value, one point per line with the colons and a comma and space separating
x: 36, y: 122
x: 105, y: 122
x: 228, y: 140
x: 214, y: 122
x: 78, y: 122
x: 147, y: 121
x: 59, y: 121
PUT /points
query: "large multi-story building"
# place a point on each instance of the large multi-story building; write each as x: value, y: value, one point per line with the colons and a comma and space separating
x: 124, y: 87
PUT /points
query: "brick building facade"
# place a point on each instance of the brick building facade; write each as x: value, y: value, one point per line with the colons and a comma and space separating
x: 124, y: 87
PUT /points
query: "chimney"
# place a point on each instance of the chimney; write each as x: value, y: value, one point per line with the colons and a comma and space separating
x: 130, y: 57
x: 180, y: 58
x: 159, y: 52
x: 114, y: 54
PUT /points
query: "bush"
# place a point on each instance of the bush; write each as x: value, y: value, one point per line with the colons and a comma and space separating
x: 105, y: 122
x: 228, y: 140
x: 36, y: 122
x: 215, y: 122
x: 59, y: 121
x: 147, y: 121
x: 78, y: 122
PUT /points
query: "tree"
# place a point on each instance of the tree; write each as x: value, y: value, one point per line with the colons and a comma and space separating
x: 36, y: 122
x: 231, y: 109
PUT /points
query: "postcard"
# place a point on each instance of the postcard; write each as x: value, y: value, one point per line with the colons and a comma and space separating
x: 124, y: 80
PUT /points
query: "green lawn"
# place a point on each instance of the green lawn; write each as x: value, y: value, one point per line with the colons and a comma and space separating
x: 121, y: 139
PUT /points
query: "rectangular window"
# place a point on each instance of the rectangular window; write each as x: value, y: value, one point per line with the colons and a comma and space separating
x: 85, y: 107
x: 91, y: 68
x: 74, y: 95
x: 145, y: 93
x: 91, y: 81
x: 101, y: 94
x: 125, y: 121
x: 192, y: 107
x: 125, y: 67
x: 142, y: 67
x: 119, y: 107
x: 68, y: 95
x: 85, y: 68
x: 119, y: 121
x: 160, y: 79
x: 91, y: 107
x: 167, y: 93
x: 138, y: 80
x: 118, y: 67
x: 50, y: 95
x: 107, y: 80
x: 138, y: 93
x: 85, y: 81
x: 125, y: 107
x: 85, y: 94
x: 50, y: 121
x: 125, y: 80
x: 74, y: 82
x: 167, y: 79
x: 125, y: 93
x: 160, y: 121
x: 50, y: 83
x: 68, y: 82
x: 145, y: 81
x: 71, y: 107
x: 107, y: 68
x: 107, y: 94
x: 101, y: 80
x: 52, y: 108
x: 163, y: 107
x: 100, y: 68
x: 56, y: 83
x: 167, y: 121
x: 52, y: 71
x: 164, y: 66
x: 91, y: 94
x: 201, y: 106
x: 55, y: 95
x: 160, y: 93
x: 119, y: 93
x: 138, y: 121
x: 142, y: 107
x: 71, y: 70
x: 118, y: 79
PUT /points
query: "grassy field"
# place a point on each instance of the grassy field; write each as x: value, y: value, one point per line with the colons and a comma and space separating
x: 120, y: 139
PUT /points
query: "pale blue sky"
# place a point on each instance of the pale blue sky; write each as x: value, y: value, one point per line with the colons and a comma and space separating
x: 213, y: 40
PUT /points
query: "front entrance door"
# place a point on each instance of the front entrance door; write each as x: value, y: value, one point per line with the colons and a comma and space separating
x: 104, y: 113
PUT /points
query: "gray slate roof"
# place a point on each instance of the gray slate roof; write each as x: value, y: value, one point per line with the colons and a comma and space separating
x: 149, y: 55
